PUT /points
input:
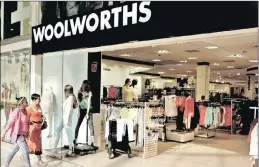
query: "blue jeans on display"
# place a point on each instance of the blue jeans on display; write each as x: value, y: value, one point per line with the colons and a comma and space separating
x: 19, y: 144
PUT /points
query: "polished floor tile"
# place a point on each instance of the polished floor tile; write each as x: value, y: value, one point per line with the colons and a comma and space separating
x: 222, y: 151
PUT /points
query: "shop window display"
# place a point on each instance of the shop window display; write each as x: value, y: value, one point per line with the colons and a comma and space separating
x: 61, y: 84
x: 14, y: 82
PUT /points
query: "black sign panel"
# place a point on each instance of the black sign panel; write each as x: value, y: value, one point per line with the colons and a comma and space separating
x: 91, y: 25
x: 94, y: 76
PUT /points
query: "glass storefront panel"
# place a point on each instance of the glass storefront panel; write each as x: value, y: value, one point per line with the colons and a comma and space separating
x: 62, y: 70
x: 15, y: 82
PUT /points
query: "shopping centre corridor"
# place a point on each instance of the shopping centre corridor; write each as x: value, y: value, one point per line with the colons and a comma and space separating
x: 222, y: 151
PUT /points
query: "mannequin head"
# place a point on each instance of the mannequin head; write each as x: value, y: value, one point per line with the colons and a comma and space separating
x: 134, y: 83
x: 35, y: 99
x: 85, y: 83
x: 47, y: 87
x: 127, y: 82
x: 4, y: 85
x: 22, y: 102
x: 202, y: 97
x: 68, y: 91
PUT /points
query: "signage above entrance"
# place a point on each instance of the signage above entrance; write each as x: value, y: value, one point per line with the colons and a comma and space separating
x: 88, y: 24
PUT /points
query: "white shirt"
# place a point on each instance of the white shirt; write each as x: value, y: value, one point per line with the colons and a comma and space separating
x: 254, y: 142
x: 170, y: 106
x: 68, y: 109
x: 47, y: 101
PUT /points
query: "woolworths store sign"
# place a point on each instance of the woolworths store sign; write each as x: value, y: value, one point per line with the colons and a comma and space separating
x: 84, y: 30
x: 82, y: 24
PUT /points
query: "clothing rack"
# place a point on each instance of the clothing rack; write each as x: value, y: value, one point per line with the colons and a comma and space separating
x: 255, y: 111
x: 207, y: 133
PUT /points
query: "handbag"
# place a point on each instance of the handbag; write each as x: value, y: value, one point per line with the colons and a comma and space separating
x: 44, y: 125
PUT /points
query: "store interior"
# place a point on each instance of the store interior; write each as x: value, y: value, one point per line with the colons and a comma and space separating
x: 158, y: 74
x: 15, y: 76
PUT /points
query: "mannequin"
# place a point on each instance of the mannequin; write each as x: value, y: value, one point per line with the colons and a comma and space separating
x: 127, y: 93
x: 24, y: 77
x: 66, y: 122
x: 4, y: 96
x: 135, y: 93
x: 13, y: 91
x: 189, y: 111
x: 47, y: 106
x: 85, y: 105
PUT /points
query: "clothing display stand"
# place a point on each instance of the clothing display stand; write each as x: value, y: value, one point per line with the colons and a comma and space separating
x: 255, y: 111
x: 150, y: 145
x: 208, y: 134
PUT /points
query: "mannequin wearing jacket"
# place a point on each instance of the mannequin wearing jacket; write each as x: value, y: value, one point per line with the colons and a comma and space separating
x: 66, y: 122
x: 47, y: 107
x: 189, y: 111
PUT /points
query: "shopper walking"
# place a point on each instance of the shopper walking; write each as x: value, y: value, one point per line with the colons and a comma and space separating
x: 19, y: 125
x: 34, y: 136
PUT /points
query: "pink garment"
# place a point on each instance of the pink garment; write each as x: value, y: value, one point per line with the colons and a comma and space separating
x: 202, y: 115
x: 180, y: 101
x: 228, y: 116
x: 189, y: 108
x: 251, y: 129
x: 112, y: 92
x: 18, y: 123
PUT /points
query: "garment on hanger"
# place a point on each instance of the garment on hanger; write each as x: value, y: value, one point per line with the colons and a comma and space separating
x: 254, y: 142
x: 209, y: 116
x: 202, y: 115
x: 189, y: 107
x: 112, y: 92
x: 228, y: 116
x: 216, y: 116
x: 170, y: 106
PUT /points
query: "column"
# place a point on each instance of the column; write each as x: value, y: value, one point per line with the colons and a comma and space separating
x: 203, y: 80
x: 250, y: 86
x: 36, y: 60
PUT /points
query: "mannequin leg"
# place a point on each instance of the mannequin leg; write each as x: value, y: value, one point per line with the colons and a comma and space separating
x: 7, y: 113
x: 59, y: 130
x: 50, y: 116
x: 79, y: 122
x: 91, y: 127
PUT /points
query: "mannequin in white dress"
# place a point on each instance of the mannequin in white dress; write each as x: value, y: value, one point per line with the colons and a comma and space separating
x: 66, y: 122
x: 47, y: 106
x: 4, y: 96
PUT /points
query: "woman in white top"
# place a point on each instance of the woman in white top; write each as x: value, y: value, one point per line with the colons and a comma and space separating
x: 67, y: 119
x: 127, y: 93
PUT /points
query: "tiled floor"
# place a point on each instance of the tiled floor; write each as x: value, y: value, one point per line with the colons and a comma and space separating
x: 222, y: 151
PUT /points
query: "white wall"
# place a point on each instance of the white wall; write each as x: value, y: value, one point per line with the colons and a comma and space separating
x: 74, y: 71
x: 117, y: 75
x: 224, y: 88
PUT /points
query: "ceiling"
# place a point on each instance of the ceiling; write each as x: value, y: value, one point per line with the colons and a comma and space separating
x: 229, y: 56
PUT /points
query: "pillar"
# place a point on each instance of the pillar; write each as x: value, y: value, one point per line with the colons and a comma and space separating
x: 36, y: 60
x: 250, y: 86
x: 203, y: 80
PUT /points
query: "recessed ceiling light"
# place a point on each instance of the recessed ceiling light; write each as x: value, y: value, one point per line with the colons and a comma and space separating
x: 230, y: 66
x: 236, y: 55
x: 216, y: 64
x: 153, y: 45
x: 163, y: 51
x: 172, y: 69
x: 238, y: 73
x: 192, y: 58
x: 253, y: 61
x: 179, y: 64
x: 156, y: 60
x: 211, y: 47
x: 189, y: 71
x: 218, y: 73
x: 11, y: 29
x: 256, y: 74
x: 183, y: 61
x: 161, y: 72
x: 125, y: 55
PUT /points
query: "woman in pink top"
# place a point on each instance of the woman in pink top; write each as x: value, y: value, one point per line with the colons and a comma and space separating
x: 19, y: 126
